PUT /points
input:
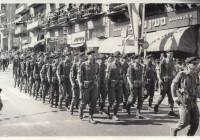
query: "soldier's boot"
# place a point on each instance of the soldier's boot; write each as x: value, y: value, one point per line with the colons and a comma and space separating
x: 67, y: 102
x: 172, y: 113
x: 138, y: 114
x: 78, y: 104
x: 115, y: 118
x: 128, y: 108
x: 156, y: 109
x: 150, y: 104
x: 108, y: 112
x: 72, y: 109
x: 81, y: 113
x: 20, y: 88
x: 173, y: 132
x: 43, y: 97
x: 60, y: 105
x: 91, y: 120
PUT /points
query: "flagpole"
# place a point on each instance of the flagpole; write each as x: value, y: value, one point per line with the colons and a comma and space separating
x: 142, y: 29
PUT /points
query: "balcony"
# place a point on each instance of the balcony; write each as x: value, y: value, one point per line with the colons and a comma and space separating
x: 26, y: 40
x: 3, y: 27
x: 22, y: 9
x: 68, y: 16
x: 2, y: 12
x: 36, y: 23
x: 19, y: 19
x: 20, y: 29
x: 32, y: 4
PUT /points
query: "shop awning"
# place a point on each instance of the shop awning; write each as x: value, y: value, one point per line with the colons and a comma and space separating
x: 94, y: 43
x: 77, y: 45
x: 179, y: 39
x: 33, y: 44
x: 114, y: 44
x: 26, y: 46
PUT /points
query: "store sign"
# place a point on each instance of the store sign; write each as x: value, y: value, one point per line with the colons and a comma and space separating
x: 16, y: 41
x: 160, y: 22
x: 77, y: 38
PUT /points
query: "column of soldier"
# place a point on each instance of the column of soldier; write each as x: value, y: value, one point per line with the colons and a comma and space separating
x: 82, y: 79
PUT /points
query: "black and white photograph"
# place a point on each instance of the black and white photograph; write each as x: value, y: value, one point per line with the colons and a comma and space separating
x: 108, y: 68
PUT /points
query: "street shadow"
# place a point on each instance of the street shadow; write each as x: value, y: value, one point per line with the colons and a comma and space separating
x: 130, y: 122
x: 25, y: 116
x: 135, y: 121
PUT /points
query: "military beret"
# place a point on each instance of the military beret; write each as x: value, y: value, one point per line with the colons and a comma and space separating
x: 90, y: 52
x: 190, y: 59
x: 69, y: 53
x: 75, y: 54
x: 81, y: 53
x: 149, y: 56
x: 124, y: 56
x: 101, y: 56
x: 56, y: 56
x: 47, y: 53
x: 116, y: 54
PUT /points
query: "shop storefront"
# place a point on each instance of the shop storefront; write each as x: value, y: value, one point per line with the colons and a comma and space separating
x: 173, y: 31
x: 77, y: 41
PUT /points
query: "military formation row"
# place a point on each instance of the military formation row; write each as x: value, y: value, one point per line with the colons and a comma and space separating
x: 82, y: 79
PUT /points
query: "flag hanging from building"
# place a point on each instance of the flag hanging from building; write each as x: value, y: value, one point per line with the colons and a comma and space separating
x: 135, y: 20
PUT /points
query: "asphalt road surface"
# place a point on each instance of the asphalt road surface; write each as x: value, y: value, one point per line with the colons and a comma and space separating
x: 24, y: 116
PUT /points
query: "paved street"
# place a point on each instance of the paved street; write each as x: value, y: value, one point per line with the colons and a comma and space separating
x: 24, y: 116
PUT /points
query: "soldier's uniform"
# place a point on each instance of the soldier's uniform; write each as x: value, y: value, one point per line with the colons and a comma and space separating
x: 44, y: 80
x: 184, y: 86
x: 102, y: 83
x: 63, y: 72
x: 114, y: 78
x: 74, y: 82
x: 53, y: 81
x: 165, y: 77
x: 87, y: 75
x: 125, y: 82
x: 23, y: 77
x: 16, y: 67
x: 150, y: 77
x: 31, y: 78
x: 36, y: 76
x: 134, y: 75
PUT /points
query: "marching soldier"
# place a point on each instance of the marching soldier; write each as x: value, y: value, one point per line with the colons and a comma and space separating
x: 184, y: 90
x: 125, y: 66
x: 114, y: 80
x: 63, y: 72
x: 36, y: 75
x: 23, y: 77
x: 44, y: 80
x: 165, y: 76
x: 134, y: 77
x: 16, y: 67
x: 150, y: 77
x: 31, y: 78
x: 74, y: 80
x: 87, y: 76
x: 53, y: 81
x: 102, y: 82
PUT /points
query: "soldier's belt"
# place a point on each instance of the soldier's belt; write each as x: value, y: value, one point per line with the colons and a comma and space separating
x: 167, y: 78
x: 137, y: 83
x: 37, y: 76
x: 87, y: 84
x: 54, y: 79
x: 62, y: 77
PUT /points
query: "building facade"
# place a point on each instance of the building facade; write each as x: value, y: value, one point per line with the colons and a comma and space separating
x: 6, y: 26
